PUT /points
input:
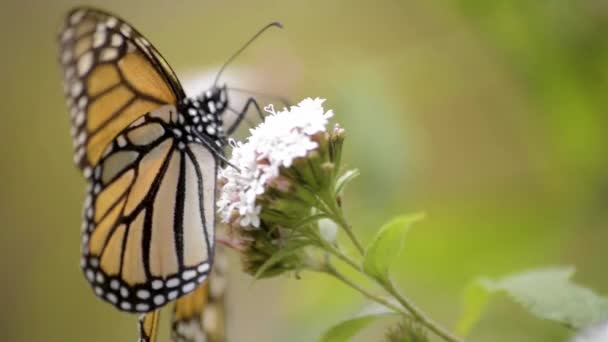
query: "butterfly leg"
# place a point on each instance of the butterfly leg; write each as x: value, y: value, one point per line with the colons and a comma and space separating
x: 241, y: 115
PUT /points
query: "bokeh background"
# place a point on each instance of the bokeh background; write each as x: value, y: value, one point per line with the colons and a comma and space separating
x: 491, y: 116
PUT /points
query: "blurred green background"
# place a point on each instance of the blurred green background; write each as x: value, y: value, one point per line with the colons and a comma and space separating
x: 489, y: 115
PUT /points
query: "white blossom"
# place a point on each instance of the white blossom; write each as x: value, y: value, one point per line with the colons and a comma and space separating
x: 281, y: 138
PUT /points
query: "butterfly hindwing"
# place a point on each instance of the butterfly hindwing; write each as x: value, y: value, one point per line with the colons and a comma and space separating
x: 112, y: 76
x: 149, y: 215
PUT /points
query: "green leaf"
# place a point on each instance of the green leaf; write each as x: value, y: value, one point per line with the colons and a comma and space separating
x: 546, y: 293
x: 346, y: 178
x: 386, y: 246
x: 475, y: 300
x: 346, y: 329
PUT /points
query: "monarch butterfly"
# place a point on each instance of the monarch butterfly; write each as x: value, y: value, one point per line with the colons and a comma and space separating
x: 149, y: 155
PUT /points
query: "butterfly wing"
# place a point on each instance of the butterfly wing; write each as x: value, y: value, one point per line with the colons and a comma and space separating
x: 112, y: 76
x: 201, y: 314
x: 149, y: 215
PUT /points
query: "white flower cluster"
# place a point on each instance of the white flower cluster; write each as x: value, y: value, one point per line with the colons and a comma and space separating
x: 275, y: 143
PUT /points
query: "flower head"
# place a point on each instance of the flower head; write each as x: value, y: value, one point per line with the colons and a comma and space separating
x: 270, y: 195
x: 276, y: 143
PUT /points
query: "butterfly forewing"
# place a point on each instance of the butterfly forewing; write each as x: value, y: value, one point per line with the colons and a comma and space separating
x: 112, y: 76
x: 149, y: 215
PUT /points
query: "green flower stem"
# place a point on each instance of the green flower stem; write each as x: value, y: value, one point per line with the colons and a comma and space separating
x: 340, y: 255
x: 336, y: 274
x: 418, y: 314
x: 414, y: 312
x: 335, y: 213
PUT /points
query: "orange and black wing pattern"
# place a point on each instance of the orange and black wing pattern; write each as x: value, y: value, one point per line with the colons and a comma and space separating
x: 149, y: 214
x: 112, y: 75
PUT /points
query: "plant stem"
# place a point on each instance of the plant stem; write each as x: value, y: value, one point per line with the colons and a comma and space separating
x: 418, y: 314
x: 335, y: 213
x: 413, y: 310
x: 333, y: 272
x: 338, y: 254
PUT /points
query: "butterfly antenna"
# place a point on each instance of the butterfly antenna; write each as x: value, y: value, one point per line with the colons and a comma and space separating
x: 236, y: 54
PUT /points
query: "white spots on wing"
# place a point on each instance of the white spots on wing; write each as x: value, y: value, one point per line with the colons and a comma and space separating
x: 143, y: 294
x: 82, y: 102
x: 173, y: 282
x: 108, y: 54
x: 122, y: 142
x: 90, y: 275
x: 141, y: 307
x: 187, y: 275
x: 69, y: 72
x: 82, y: 136
x: 85, y: 62
x: 73, y: 113
x: 79, y: 118
x: 99, y: 38
x: 67, y: 35
x: 116, y: 40
x: 181, y: 145
x: 188, y: 287
x: 126, y: 29
x: 157, y: 284
x: 112, y: 298
x: 114, y: 284
x: 159, y: 299
x: 172, y: 295
x: 76, y: 17
x: 125, y: 306
x: 203, y: 268
x: 112, y: 22
x: 210, y: 130
x: 211, y: 106
x: 76, y: 88
x: 87, y: 173
x: 66, y: 56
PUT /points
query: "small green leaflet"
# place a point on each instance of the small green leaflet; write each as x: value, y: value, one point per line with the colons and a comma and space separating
x: 346, y: 178
x: 346, y: 329
x: 387, y: 245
